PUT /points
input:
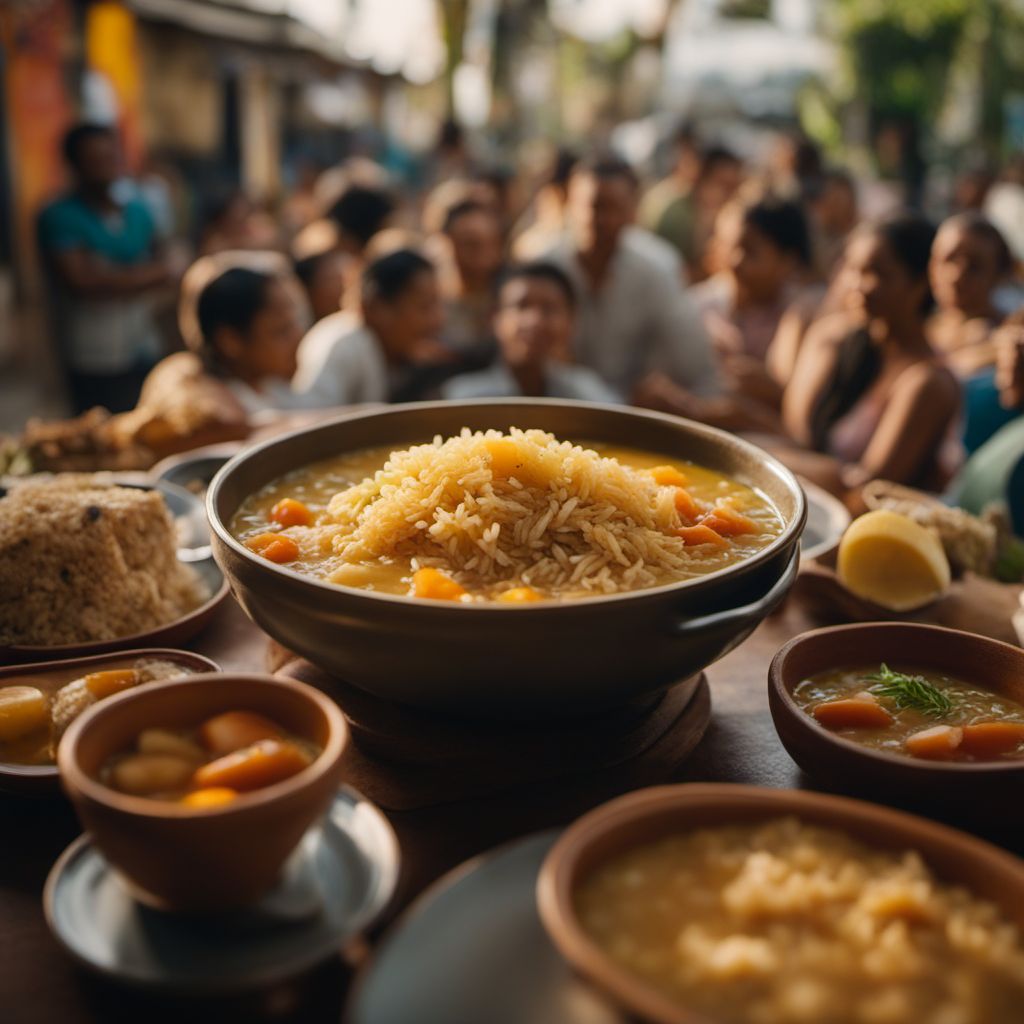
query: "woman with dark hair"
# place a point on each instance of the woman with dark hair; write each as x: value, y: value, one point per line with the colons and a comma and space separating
x: 867, y: 389
x: 389, y: 350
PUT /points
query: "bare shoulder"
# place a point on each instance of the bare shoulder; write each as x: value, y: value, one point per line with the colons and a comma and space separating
x: 830, y: 331
x: 931, y: 381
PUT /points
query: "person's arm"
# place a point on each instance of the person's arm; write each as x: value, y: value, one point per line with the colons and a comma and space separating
x: 812, y: 375
x: 678, y: 344
x: 920, y: 409
x: 86, y: 274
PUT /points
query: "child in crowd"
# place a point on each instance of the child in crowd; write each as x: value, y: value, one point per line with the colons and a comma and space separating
x: 534, y: 325
x: 389, y: 350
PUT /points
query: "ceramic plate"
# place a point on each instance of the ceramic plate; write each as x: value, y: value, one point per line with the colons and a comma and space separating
x: 194, y: 470
x: 472, y: 949
x: 50, y: 676
x: 827, y: 520
x: 336, y: 883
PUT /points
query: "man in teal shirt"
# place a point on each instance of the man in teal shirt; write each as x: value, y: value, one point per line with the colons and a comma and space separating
x: 104, y: 264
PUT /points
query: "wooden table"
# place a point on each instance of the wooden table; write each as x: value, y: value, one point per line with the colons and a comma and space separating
x: 40, y: 985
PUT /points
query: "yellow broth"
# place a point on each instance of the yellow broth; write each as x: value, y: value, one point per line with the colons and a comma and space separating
x: 972, y: 705
x: 788, y: 923
x: 316, y: 484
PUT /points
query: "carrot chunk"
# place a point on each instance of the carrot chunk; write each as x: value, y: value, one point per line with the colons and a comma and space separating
x: 693, y: 535
x: 254, y: 767
x: 289, y: 512
x: 434, y: 584
x: 274, y: 546
x: 114, y: 680
x: 519, y: 595
x: 939, y: 743
x: 669, y: 476
x: 201, y: 799
x: 506, y: 457
x: 990, y: 739
x: 686, y: 506
x: 852, y: 713
x: 724, y: 519
x: 233, y: 730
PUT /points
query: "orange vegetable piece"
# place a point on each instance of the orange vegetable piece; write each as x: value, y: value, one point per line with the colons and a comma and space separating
x: 114, y: 680
x: 274, y: 546
x: 254, y: 767
x: 990, y: 739
x: 289, y: 512
x: 669, y: 476
x: 519, y: 595
x: 506, y: 457
x: 693, y: 535
x: 686, y: 506
x: 852, y: 713
x: 233, y: 730
x: 216, y: 796
x: 724, y: 519
x: 939, y: 743
x: 434, y: 584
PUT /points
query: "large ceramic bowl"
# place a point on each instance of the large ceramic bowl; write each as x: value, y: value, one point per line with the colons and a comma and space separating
x: 546, y: 658
x: 179, y: 858
x: 649, y: 815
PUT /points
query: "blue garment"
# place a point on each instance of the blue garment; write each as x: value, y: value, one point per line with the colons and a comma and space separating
x: 125, y: 237
x: 983, y: 415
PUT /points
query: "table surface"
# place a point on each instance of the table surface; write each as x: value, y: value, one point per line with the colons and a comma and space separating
x: 39, y: 984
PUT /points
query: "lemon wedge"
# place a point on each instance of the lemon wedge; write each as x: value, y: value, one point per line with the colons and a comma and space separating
x: 890, y: 559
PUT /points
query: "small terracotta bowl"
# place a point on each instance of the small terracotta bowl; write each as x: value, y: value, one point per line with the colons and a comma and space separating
x: 986, y: 663
x: 648, y: 815
x: 177, y: 858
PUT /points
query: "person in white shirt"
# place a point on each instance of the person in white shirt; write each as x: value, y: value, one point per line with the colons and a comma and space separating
x: 634, y: 316
x: 534, y: 324
x: 387, y: 351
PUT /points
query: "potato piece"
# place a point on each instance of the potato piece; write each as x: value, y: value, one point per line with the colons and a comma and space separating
x: 939, y: 743
x: 435, y: 585
x: 990, y: 739
x: 506, y: 457
x: 275, y: 547
x: 289, y: 512
x: 204, y: 799
x: 105, y: 684
x: 226, y: 733
x: 668, y: 476
x: 519, y: 595
x: 694, y: 535
x: 23, y: 710
x: 254, y: 767
x: 163, y: 741
x: 147, y: 774
x: 852, y: 713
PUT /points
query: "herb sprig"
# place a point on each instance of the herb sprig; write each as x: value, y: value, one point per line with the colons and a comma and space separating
x: 910, y: 692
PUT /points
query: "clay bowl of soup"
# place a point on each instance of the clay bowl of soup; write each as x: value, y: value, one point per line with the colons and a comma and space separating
x: 505, y: 646
x: 912, y: 711
x: 197, y: 790
x: 725, y: 904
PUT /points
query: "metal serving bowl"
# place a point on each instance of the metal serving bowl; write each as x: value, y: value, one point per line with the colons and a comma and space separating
x: 489, y: 660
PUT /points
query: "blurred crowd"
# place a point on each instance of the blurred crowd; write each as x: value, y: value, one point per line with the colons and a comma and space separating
x: 753, y: 298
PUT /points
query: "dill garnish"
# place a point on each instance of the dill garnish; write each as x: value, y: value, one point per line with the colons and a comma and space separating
x: 908, y: 691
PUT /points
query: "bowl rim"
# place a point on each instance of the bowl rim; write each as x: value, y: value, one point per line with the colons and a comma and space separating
x: 11, y: 769
x: 81, y: 785
x: 786, y: 706
x: 558, y: 875
x: 790, y: 532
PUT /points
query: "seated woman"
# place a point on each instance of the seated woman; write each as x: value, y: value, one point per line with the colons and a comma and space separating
x: 534, y: 323
x: 242, y: 316
x: 387, y: 350
x: 867, y: 390
x: 969, y: 261
x: 994, y: 474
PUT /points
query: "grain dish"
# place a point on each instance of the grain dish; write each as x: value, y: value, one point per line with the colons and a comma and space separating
x: 510, y: 517
x: 82, y: 561
x: 784, y: 922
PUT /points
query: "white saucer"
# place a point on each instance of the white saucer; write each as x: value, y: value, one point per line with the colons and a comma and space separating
x: 335, y: 884
x: 472, y: 949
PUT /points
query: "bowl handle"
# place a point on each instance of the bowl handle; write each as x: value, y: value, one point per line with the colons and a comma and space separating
x: 755, y: 610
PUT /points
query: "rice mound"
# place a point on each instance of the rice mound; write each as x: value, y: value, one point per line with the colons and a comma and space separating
x: 83, y: 561
x: 521, y: 507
